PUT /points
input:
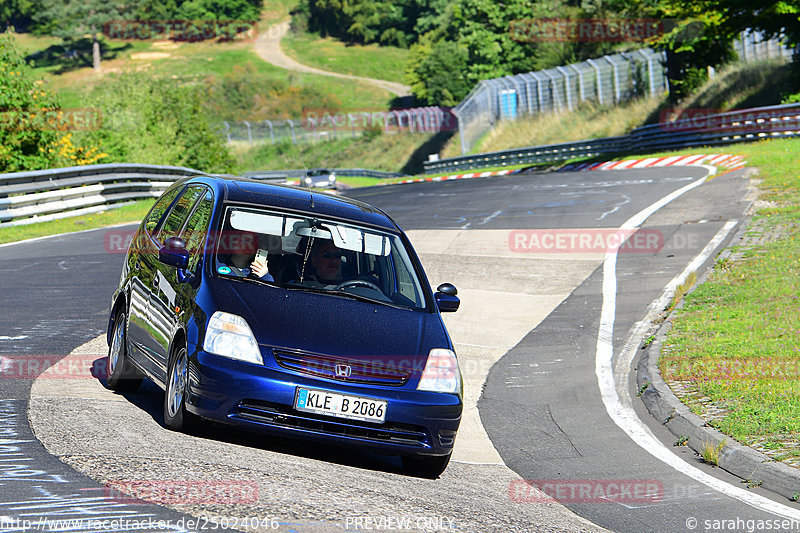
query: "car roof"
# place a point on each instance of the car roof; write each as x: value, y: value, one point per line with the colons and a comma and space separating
x: 248, y: 191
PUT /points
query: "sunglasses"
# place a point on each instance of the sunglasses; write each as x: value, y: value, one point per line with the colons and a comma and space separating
x: 330, y: 255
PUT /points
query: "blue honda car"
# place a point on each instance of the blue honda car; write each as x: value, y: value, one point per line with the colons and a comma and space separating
x: 280, y: 310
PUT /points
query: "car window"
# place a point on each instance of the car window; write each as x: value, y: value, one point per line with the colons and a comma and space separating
x: 322, y: 255
x: 196, y: 230
x: 158, y: 210
x: 180, y: 212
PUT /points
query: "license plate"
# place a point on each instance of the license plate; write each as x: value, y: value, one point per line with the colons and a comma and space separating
x: 340, y: 405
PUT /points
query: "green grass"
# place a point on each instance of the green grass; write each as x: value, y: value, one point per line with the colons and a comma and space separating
x: 736, y: 340
x: 129, y: 213
x: 745, y: 85
x: 361, y: 181
x: 387, y: 152
x: 327, y: 53
x: 191, y: 63
x: 589, y: 121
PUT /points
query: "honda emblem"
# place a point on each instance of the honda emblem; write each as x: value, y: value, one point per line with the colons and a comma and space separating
x: 343, y: 371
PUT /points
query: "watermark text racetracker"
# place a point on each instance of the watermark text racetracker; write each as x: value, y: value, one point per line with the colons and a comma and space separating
x: 586, y: 30
x: 181, y: 30
x: 72, y: 119
x: 585, y: 240
x: 172, y: 492
x: 626, y: 491
x: 73, y: 366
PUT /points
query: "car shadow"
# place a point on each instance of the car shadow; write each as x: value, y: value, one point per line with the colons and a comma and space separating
x: 150, y: 399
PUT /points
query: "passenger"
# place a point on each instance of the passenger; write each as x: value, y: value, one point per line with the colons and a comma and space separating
x: 241, y: 248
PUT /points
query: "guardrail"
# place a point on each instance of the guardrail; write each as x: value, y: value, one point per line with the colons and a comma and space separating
x: 61, y: 192
x: 40, y: 196
x: 689, y: 130
x: 297, y: 174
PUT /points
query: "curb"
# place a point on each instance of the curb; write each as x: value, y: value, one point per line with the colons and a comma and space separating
x: 751, y: 466
x: 458, y: 176
x: 726, y: 161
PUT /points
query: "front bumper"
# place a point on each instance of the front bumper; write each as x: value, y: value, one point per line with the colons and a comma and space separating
x: 261, y: 399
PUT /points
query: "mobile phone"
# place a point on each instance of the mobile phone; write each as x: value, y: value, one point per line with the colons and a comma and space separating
x: 261, y: 255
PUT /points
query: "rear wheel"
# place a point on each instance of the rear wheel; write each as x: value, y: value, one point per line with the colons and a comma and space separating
x: 429, y: 466
x: 120, y: 373
x: 176, y: 417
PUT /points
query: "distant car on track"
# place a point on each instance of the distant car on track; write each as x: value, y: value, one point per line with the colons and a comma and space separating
x: 319, y: 178
x: 335, y: 337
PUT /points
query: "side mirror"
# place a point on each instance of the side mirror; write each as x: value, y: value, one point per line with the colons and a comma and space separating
x: 446, y: 298
x: 174, y: 253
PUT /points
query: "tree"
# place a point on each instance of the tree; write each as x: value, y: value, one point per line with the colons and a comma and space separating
x: 704, y: 30
x: 156, y: 121
x: 436, y: 72
x: 32, y: 127
x: 74, y: 19
x: 13, y: 11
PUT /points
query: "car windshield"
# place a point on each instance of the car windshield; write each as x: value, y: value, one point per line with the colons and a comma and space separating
x: 317, y: 255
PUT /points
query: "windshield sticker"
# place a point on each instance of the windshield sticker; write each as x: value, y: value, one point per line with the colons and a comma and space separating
x: 224, y: 270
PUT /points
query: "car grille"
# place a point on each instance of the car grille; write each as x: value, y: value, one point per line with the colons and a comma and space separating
x: 281, y: 416
x: 366, y: 372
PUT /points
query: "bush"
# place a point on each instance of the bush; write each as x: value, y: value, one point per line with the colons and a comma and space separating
x: 247, y: 94
x: 155, y: 121
x: 32, y: 123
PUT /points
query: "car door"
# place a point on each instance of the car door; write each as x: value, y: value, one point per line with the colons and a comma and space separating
x: 163, y: 310
x: 142, y: 263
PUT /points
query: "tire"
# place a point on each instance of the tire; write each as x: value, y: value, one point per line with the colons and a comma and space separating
x: 428, y: 466
x: 176, y: 417
x: 120, y: 374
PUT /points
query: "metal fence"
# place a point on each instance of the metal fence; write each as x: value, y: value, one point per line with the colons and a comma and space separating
x: 692, y: 130
x: 752, y: 46
x: 608, y: 80
x: 316, y: 127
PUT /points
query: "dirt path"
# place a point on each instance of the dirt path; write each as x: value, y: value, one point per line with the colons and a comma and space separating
x: 268, y: 48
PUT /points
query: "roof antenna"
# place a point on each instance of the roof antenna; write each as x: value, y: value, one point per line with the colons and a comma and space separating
x: 303, y: 160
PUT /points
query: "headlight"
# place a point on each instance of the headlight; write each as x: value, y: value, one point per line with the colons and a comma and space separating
x: 229, y: 336
x: 441, y: 372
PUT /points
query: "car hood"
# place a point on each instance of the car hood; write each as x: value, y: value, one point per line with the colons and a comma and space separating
x: 336, y: 326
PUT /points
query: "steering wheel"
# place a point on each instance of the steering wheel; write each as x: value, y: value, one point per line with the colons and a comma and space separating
x: 357, y: 283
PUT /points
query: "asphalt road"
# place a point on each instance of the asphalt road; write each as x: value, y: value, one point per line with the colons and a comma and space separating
x: 541, y: 405
x: 55, y: 293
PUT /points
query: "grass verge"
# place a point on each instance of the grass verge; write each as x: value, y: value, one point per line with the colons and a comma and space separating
x: 734, y: 348
x: 388, y: 152
x: 327, y: 53
x: 589, y: 121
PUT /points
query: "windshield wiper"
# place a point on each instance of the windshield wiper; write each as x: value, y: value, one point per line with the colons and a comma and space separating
x: 344, y: 294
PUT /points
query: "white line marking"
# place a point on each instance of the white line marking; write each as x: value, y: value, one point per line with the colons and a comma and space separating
x: 623, y: 415
x: 615, y: 208
x: 490, y: 217
x: 15, y: 338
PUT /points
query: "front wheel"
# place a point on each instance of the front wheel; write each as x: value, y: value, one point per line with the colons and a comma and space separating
x: 429, y: 466
x: 120, y: 374
x: 176, y: 417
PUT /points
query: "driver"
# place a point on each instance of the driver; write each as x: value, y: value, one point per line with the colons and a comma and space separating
x: 326, y: 260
